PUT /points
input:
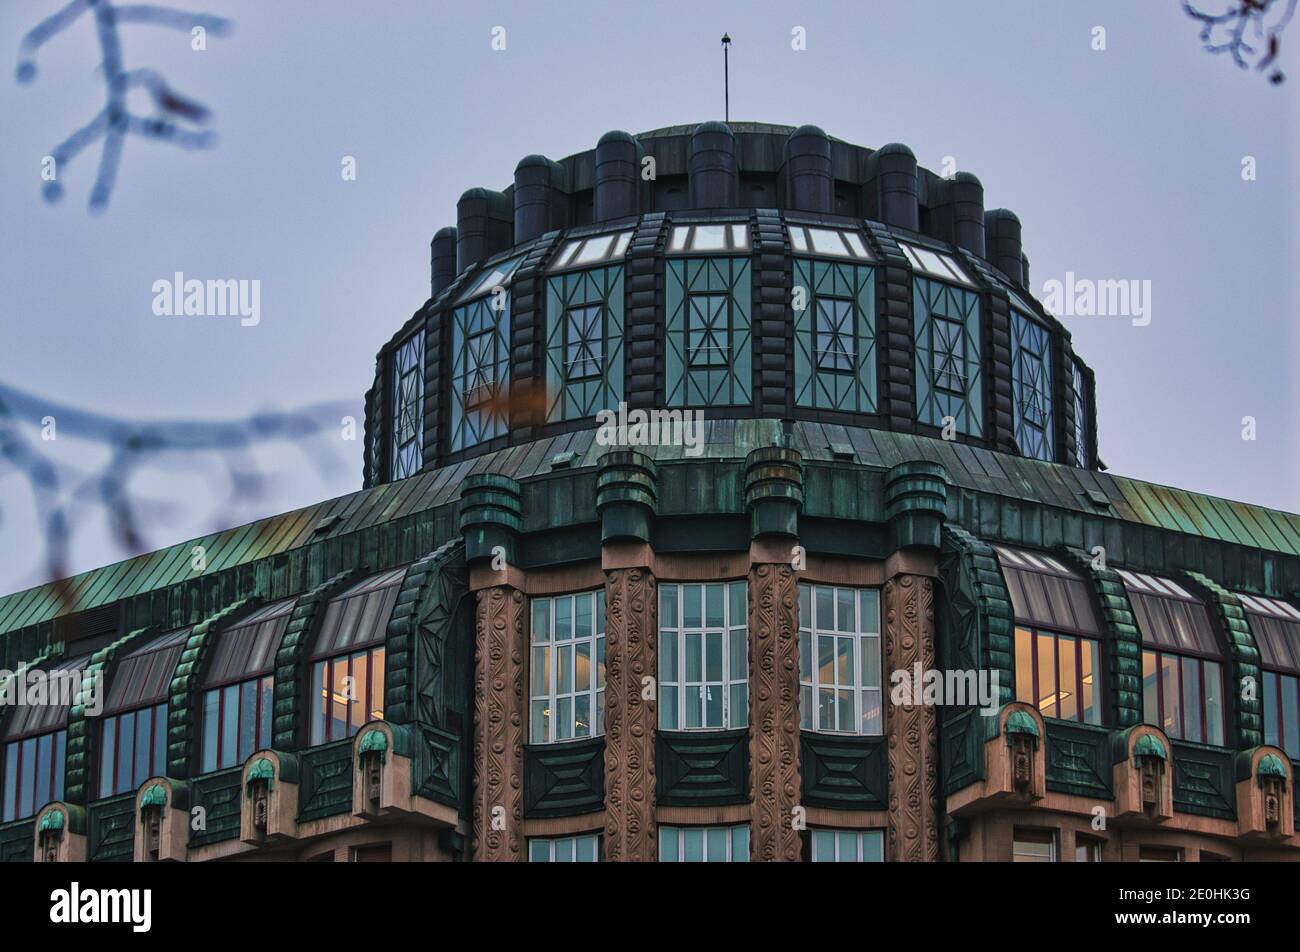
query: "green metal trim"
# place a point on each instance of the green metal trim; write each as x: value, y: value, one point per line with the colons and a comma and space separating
x: 1123, y: 640
x: 52, y: 820
x: 1020, y: 722
x: 155, y: 796
x: 374, y: 740
x: 1270, y: 765
x: 976, y: 597
x: 262, y: 769
x: 1245, y: 714
x: 182, y: 694
x: 1148, y: 745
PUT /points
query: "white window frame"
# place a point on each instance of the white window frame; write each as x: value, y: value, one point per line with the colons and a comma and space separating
x: 864, y: 635
x: 856, y: 843
x: 545, y: 700
x: 733, y: 633
x: 564, y: 849
x: 730, y: 846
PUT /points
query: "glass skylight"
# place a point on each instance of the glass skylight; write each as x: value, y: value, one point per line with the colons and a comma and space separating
x: 582, y: 252
x: 702, y: 238
x: 828, y: 241
x: 935, y: 263
x: 498, y: 275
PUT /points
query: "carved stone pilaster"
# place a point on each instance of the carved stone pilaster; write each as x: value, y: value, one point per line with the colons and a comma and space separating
x: 912, y: 730
x: 499, y: 725
x: 631, y: 622
x: 774, y: 711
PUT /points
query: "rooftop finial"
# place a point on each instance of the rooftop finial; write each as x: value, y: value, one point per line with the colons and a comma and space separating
x: 726, y: 78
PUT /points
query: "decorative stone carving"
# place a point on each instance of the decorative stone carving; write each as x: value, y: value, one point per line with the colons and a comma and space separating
x: 498, y: 810
x: 912, y: 730
x: 1265, y: 794
x: 1144, y: 787
x: 774, y: 712
x: 631, y: 623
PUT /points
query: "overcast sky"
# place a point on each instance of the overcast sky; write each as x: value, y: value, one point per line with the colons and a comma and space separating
x: 1122, y: 164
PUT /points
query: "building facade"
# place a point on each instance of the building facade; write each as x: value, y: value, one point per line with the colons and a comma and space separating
x: 731, y: 498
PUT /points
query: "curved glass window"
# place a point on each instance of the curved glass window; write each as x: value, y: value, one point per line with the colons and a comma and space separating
x: 347, y: 672
x: 1031, y: 386
x: 946, y: 324
x: 1182, y: 678
x: 597, y: 249
x: 1083, y: 450
x: 840, y: 660
x: 408, y: 407
x: 828, y: 241
x: 480, y: 371
x: 238, y: 700
x: 584, y: 343
x: 1276, y: 627
x: 834, y: 336
x: 936, y: 264
x: 567, y: 670
x: 704, y: 844
x: 708, y: 341
x: 697, y: 239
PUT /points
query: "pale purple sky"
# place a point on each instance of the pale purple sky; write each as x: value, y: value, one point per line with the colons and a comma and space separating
x: 1121, y: 164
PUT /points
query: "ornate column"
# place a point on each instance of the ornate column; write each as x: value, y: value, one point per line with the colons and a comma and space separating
x: 625, y: 499
x: 773, y: 498
x: 915, y: 507
x: 490, y: 522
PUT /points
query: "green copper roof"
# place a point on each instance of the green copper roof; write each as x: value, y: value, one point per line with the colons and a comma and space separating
x: 969, y: 468
x: 1270, y: 765
x: 1021, y: 723
x: 1148, y: 745
x: 52, y: 820
x: 155, y: 796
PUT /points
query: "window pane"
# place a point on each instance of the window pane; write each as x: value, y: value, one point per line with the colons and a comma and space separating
x: 1047, y: 675
x: 539, y: 722
x: 377, y: 668
x: 1213, y: 703
x: 740, y: 844
x: 1150, y: 689
x: 1271, y: 708
x: 668, y: 844
x: 1291, y: 717
x: 539, y: 851
x: 563, y: 718
x: 1191, y: 699
x: 143, y: 747
x: 692, y: 610
x: 60, y: 758
x: 563, y: 619
x: 694, y: 650
x: 713, y: 657
x: 668, y: 606
x: 230, y: 726
x: 668, y: 701
x: 107, y: 756
x: 268, y: 708
x: 714, y: 606
x: 694, y: 701
x: 1088, y: 676
x: 360, y: 688
x: 1024, y: 666
x: 1067, y: 680
x: 713, y: 694
x: 125, y: 752
x: 210, y: 702
x: 11, y: 780
x: 1172, y: 721
x: 44, y: 757
x: 26, y: 788
x: 341, y: 691
x: 159, y: 740
x: 318, y: 703
x: 692, y: 845
x: 873, y: 846
x: 717, y: 844
x: 823, y: 846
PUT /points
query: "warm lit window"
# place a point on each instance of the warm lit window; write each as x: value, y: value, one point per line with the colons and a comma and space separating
x: 1059, y: 674
x: 1182, y: 678
x: 703, y: 656
x: 848, y: 846
x: 839, y: 659
x: 133, y: 748
x: 347, y: 670
x: 565, y: 849
x: 33, y: 772
x: 704, y: 844
x: 568, y: 667
x: 1033, y: 846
